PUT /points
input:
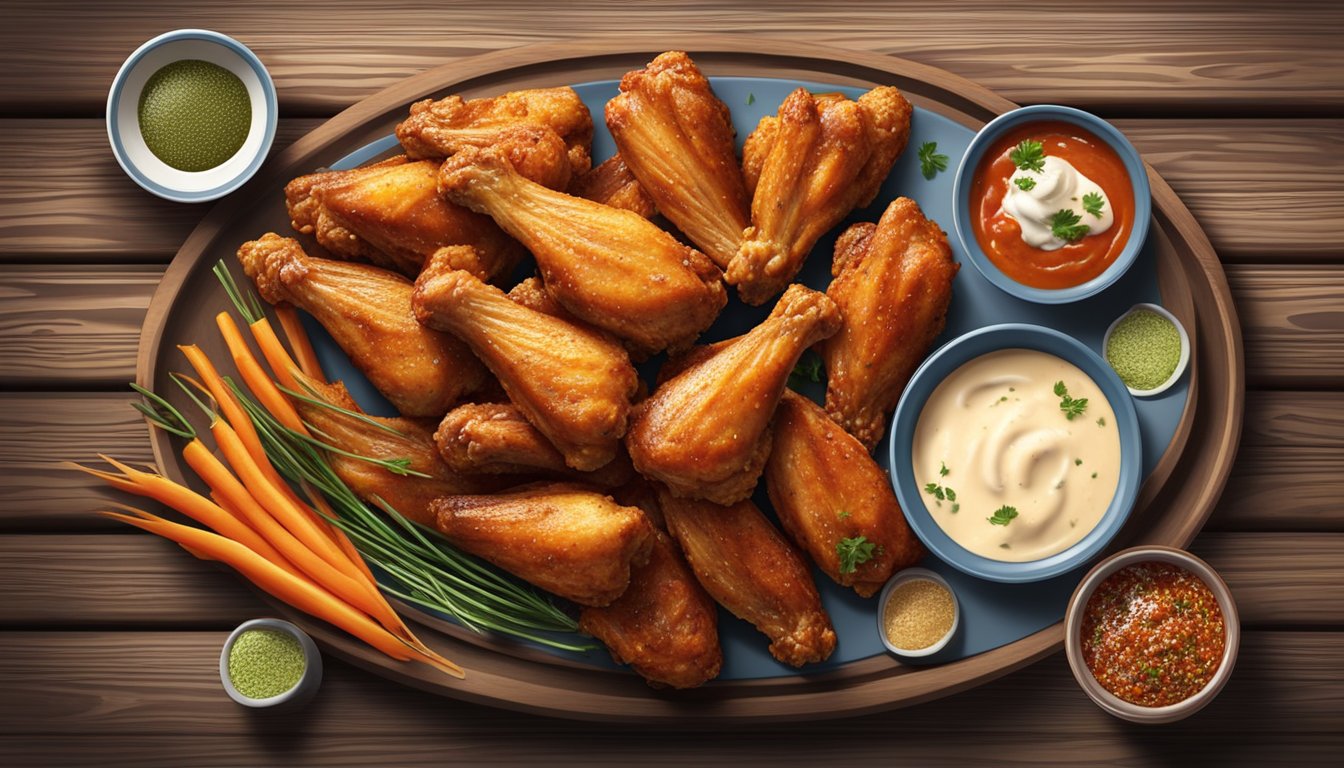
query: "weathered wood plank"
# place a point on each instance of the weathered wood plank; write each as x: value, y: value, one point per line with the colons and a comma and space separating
x: 151, y: 699
x: 1292, y: 321
x: 1195, y: 57
x: 93, y: 581
x: 90, y: 210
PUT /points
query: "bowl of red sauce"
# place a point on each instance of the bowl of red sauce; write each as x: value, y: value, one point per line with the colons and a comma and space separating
x: 1052, y: 203
x: 1152, y: 634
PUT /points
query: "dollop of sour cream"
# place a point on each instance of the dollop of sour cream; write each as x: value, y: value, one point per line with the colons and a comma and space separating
x: 1058, y: 186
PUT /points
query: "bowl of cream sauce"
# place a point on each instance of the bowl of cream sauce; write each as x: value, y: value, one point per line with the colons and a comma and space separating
x: 1016, y: 453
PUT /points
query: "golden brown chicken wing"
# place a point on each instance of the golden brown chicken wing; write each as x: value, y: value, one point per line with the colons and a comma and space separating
x: 391, y: 440
x: 677, y: 138
x: 611, y: 183
x: 367, y: 311
x: 609, y: 267
x: 834, y: 501
x: 893, y: 284
x: 665, y: 626
x: 571, y: 383
x: 821, y: 158
x: 495, y: 438
x: 564, y: 538
x: 533, y: 127
x: 705, y: 431
x: 392, y: 214
x: 754, y: 572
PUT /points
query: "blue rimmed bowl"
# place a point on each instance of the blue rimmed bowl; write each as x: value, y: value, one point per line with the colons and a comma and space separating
x: 938, y: 367
x: 962, y: 214
x: 123, y: 121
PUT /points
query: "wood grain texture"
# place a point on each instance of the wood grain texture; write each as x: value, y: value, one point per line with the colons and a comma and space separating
x: 1246, y: 56
x: 1293, y: 324
x: 170, y: 711
x: 91, y: 210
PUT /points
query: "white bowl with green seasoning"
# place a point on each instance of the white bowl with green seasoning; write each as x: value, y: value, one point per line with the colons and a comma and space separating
x: 269, y: 663
x: 1147, y: 355
x: 191, y: 115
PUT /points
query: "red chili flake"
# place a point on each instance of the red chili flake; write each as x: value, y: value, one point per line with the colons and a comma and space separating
x: 1153, y: 634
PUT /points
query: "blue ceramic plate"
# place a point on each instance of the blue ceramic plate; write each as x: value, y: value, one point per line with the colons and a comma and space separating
x: 951, y: 357
x: 992, y: 613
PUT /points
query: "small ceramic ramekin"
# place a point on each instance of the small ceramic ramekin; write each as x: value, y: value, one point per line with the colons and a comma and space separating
x: 1073, y: 643
x: 303, y: 690
x: 975, y: 154
x: 904, y: 577
x: 123, y: 120
x: 1181, y: 364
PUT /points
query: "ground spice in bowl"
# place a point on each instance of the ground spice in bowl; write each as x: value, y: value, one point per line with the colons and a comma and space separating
x: 1145, y: 349
x: 918, y: 614
x: 265, y: 663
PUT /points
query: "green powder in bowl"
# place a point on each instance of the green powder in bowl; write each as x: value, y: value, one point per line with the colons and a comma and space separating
x: 265, y: 663
x: 1145, y: 349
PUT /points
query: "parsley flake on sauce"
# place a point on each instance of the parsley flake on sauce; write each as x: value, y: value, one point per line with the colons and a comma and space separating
x: 1028, y: 155
x: 1066, y: 225
x: 1003, y: 515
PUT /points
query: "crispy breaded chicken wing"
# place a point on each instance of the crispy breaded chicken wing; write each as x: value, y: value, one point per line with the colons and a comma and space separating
x: 821, y: 158
x: 754, y: 572
x: 527, y: 124
x: 609, y: 267
x: 391, y: 214
x: 564, y: 538
x: 676, y: 136
x: 826, y: 488
x: 572, y: 384
x: 705, y: 431
x: 611, y: 183
x: 367, y: 311
x: 893, y: 284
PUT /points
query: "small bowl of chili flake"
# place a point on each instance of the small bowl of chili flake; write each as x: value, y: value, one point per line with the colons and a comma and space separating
x: 1152, y: 634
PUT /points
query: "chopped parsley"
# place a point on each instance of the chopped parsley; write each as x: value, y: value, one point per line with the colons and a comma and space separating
x: 930, y: 161
x: 942, y: 469
x: 1025, y: 183
x: 843, y: 514
x: 809, y: 368
x: 1065, y: 225
x: 1072, y: 408
x: 1077, y: 462
x: 854, y: 552
x: 1101, y: 422
x: 751, y: 99
x: 1028, y: 155
x: 1003, y: 515
x: 1093, y: 202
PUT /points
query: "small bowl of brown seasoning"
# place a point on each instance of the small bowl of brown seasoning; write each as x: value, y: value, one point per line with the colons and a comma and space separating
x: 918, y: 613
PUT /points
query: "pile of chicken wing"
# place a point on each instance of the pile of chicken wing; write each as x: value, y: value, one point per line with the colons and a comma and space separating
x: 543, y: 451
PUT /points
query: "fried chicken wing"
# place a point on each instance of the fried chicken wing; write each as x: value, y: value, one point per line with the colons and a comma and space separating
x: 496, y: 439
x: 677, y: 138
x: 392, y: 215
x: 893, y: 284
x: 754, y: 572
x: 609, y: 267
x: 367, y: 311
x: 571, y: 383
x: 535, y: 127
x: 826, y: 488
x: 821, y: 158
x: 564, y: 538
x: 705, y: 431
x: 611, y: 183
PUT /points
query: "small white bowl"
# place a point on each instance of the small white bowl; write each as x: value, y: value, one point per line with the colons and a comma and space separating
x: 1073, y: 643
x: 303, y: 690
x: 903, y: 577
x: 1181, y: 364
x: 123, y: 120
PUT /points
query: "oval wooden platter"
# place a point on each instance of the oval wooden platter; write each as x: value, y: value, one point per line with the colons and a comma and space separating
x: 1176, y: 498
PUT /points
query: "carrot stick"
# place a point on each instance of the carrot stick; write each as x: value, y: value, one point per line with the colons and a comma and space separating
x: 298, y: 341
x: 341, y: 539
x: 296, y: 591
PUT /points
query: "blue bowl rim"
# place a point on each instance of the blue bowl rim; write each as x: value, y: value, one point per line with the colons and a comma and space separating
x: 947, y: 359
x: 114, y: 98
x: 1134, y: 165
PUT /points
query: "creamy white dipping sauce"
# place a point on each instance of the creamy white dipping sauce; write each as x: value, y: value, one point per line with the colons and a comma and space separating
x: 994, y: 440
x: 1059, y: 186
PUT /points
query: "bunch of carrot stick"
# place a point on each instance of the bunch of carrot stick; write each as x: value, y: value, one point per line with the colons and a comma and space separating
x: 257, y: 524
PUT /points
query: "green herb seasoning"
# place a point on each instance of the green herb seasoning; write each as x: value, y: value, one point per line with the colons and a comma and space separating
x: 194, y: 115
x: 265, y: 663
x: 1144, y: 349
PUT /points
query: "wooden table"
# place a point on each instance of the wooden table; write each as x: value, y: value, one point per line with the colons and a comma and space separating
x: 109, y: 638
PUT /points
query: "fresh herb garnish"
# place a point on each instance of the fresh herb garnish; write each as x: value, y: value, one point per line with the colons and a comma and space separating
x: 854, y: 552
x: 1028, y: 155
x: 809, y: 368
x: 930, y: 162
x: 1025, y: 183
x: 1064, y: 224
x: 1003, y: 515
x: 940, y: 492
x: 1077, y: 462
x: 1094, y: 475
x: 942, y: 469
x: 751, y: 99
x: 843, y: 514
x: 1093, y: 202
x: 1101, y: 422
x: 1071, y: 407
